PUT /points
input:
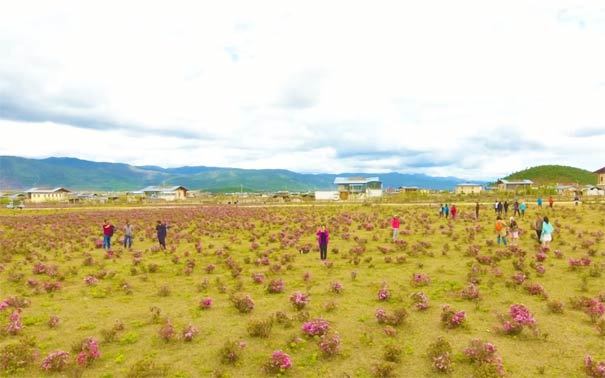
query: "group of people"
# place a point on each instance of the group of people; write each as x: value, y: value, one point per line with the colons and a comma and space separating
x: 109, y: 229
x: 445, y: 211
x: 502, y: 208
x: 544, y: 230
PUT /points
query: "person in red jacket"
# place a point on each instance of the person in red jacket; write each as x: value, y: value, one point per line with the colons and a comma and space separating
x: 108, y: 229
x: 323, y: 237
x: 395, y: 227
x: 453, y: 211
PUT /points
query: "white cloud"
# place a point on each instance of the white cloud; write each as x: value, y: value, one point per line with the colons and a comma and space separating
x: 308, y: 86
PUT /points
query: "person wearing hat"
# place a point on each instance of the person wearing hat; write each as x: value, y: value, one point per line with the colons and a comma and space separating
x: 395, y: 226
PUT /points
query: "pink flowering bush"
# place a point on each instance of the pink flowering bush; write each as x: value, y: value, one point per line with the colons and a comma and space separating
x: 167, y: 331
x: 451, y: 318
x: 420, y: 279
x: 299, y: 300
x: 89, y: 353
x: 483, y: 356
x: 440, y: 355
x: 279, y: 362
x: 14, y: 323
x: 329, y: 344
x: 384, y: 293
x: 276, y: 286
x: 189, y: 333
x: 91, y: 281
x: 517, y: 318
x: 593, y: 308
x: 243, y: 303
x: 258, y: 277
x: 394, y: 319
x: 420, y: 300
x: 594, y: 369
x: 471, y: 292
x: 206, y: 303
x: 336, y: 287
x: 316, y: 327
x: 55, y: 361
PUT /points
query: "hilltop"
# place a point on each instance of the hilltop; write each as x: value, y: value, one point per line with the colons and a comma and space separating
x: 553, y: 174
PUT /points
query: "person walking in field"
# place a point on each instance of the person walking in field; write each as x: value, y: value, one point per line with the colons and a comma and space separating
x: 323, y: 237
x: 505, y: 208
x: 440, y: 210
x: 501, y: 230
x: 516, y: 211
x: 108, y: 229
x: 550, y: 201
x: 454, y: 211
x: 522, y: 207
x: 395, y: 227
x: 514, y: 231
x: 537, y: 225
x: 477, y: 211
x: 162, y: 230
x: 496, y: 207
x: 539, y: 201
x: 128, y: 234
x: 547, y: 230
x: 446, y: 210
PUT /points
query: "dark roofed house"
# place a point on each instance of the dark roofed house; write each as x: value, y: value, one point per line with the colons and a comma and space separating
x: 514, y: 185
x: 600, y: 177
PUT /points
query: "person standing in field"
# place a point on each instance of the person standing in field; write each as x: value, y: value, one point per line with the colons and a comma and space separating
x: 550, y: 201
x: 522, y: 207
x: 506, y: 208
x: 477, y: 210
x: 537, y: 225
x: 323, y: 237
x: 395, y: 227
x: 440, y: 210
x: 446, y: 210
x: 516, y: 209
x: 108, y: 229
x: 514, y: 231
x: 128, y: 234
x: 576, y: 199
x: 496, y: 207
x: 547, y: 230
x: 500, y: 230
x: 454, y: 211
x: 539, y: 201
x: 162, y: 230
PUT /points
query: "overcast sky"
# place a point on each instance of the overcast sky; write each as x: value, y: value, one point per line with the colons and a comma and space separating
x: 472, y: 89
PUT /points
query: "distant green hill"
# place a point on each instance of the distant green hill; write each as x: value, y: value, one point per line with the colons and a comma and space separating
x: 553, y: 174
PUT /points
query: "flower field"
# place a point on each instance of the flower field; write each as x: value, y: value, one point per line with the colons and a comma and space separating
x: 233, y: 294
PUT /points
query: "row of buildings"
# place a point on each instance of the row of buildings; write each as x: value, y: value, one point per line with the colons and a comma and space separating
x: 346, y: 188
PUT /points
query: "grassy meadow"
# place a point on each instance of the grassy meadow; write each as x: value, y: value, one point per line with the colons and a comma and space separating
x: 183, y: 311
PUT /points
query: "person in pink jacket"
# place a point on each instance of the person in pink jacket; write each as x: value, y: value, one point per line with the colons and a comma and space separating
x: 323, y: 237
x: 395, y: 227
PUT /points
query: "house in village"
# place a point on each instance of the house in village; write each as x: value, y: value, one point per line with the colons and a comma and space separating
x: 505, y: 185
x: 468, y: 188
x: 600, y: 178
x: 591, y: 190
x: 37, y: 195
x: 173, y: 193
x: 568, y: 190
x: 358, y: 187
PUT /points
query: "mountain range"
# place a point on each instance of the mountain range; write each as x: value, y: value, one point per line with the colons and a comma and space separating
x: 19, y: 173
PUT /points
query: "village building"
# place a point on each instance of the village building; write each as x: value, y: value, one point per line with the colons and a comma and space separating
x: 173, y: 193
x: 600, y: 178
x: 468, y: 188
x: 358, y: 187
x: 591, y: 190
x: 37, y: 195
x: 505, y: 185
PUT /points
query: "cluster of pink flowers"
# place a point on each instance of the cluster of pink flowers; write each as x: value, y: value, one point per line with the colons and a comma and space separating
x: 541, y: 256
x: 470, y: 292
x: 279, y: 361
x: 336, y: 287
x: 384, y: 293
x: 540, y: 269
x: 584, y: 261
x: 594, y: 308
x: 421, y: 301
x: 299, y: 300
x: 452, y: 318
x: 189, y: 332
x: 53, y: 321
x: 276, y: 286
x: 420, y: 279
x: 258, y: 277
x: 55, y: 361
x: 14, y: 322
x: 3, y: 305
x: 519, y: 278
x: 316, y: 327
x: 89, y: 353
x: 594, y: 369
x: 329, y: 344
x: 91, y: 280
x: 206, y: 303
x: 51, y: 286
x: 480, y: 352
x: 210, y: 268
x: 518, y: 317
